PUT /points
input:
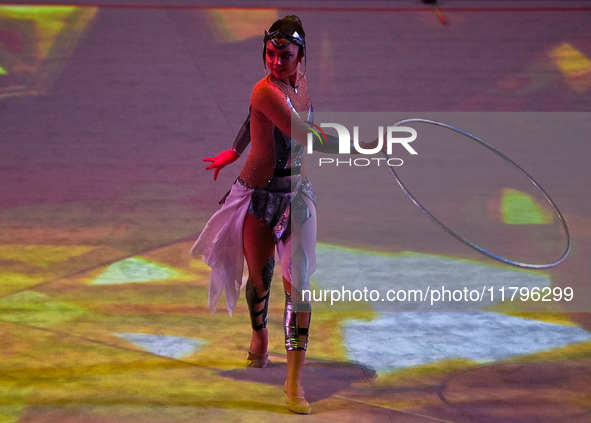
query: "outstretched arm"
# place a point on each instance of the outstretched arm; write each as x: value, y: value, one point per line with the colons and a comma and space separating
x: 230, y: 156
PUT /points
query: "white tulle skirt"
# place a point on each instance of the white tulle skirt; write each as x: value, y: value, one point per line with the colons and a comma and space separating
x: 221, y: 246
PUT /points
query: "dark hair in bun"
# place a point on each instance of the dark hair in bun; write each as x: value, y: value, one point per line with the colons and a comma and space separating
x: 289, y: 25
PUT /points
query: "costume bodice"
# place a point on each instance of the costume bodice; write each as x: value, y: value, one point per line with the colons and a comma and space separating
x: 288, y: 152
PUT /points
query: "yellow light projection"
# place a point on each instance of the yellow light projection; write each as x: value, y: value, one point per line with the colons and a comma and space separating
x: 41, y: 255
x: 11, y: 413
x: 139, y: 270
x: 13, y: 281
x: 518, y: 208
x: 231, y: 25
x: 35, y: 308
x: 574, y: 65
x: 30, y: 37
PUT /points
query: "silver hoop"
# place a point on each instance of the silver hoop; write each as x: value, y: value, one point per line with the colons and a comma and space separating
x: 464, y: 240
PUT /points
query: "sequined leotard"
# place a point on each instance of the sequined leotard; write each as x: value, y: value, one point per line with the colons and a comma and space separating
x: 281, y: 195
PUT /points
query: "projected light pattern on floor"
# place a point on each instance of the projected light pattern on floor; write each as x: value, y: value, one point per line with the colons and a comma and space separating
x: 398, y: 340
x: 42, y: 255
x: 518, y: 208
x: 137, y: 270
x: 574, y: 65
x: 35, y: 43
x: 340, y: 268
x: 147, y: 323
x: 34, y: 308
x: 168, y: 346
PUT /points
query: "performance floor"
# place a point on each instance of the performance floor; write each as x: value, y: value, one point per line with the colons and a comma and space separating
x: 106, y: 112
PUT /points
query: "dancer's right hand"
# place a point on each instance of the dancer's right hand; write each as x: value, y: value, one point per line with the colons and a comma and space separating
x: 221, y: 160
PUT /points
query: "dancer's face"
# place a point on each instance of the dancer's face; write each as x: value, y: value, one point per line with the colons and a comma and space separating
x: 284, y: 62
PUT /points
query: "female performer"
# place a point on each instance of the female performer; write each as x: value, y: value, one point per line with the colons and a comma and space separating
x: 271, y: 205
